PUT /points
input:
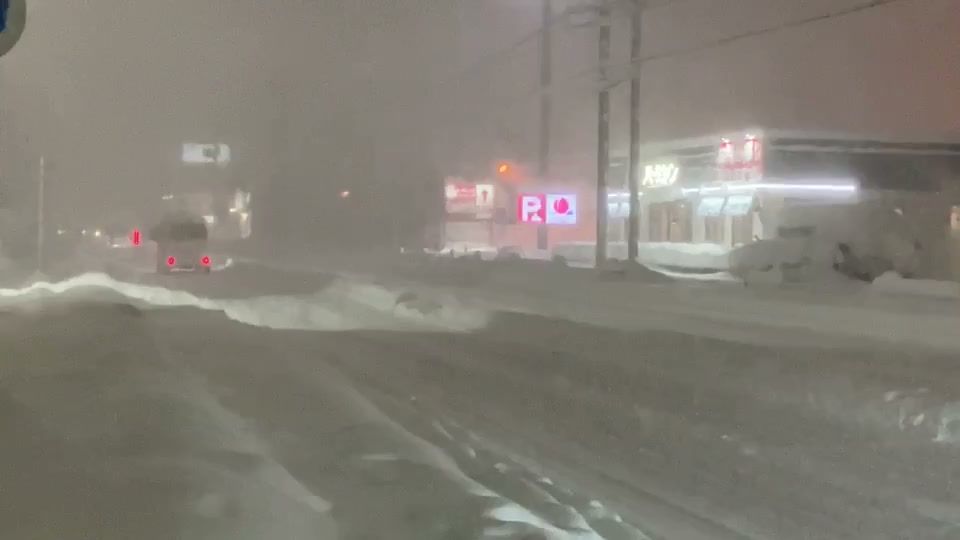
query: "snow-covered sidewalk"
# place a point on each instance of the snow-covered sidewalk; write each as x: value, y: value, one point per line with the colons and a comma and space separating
x: 720, y: 311
x: 846, y: 310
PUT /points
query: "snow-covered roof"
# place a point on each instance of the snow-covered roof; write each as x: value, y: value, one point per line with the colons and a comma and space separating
x: 932, y: 144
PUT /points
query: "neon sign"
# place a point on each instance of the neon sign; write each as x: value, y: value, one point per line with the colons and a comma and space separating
x: 660, y: 175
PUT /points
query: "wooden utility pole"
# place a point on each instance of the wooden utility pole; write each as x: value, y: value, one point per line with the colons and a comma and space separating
x: 546, y: 75
x: 633, y: 178
x: 41, y: 218
x: 603, y: 133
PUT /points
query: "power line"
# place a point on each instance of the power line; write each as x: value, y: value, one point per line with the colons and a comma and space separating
x: 590, y: 74
x: 728, y: 40
x: 786, y: 26
x: 493, y: 58
x: 535, y: 34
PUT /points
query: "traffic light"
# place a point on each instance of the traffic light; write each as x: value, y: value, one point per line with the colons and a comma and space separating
x: 13, y: 18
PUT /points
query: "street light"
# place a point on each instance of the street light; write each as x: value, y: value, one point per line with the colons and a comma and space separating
x: 508, y: 171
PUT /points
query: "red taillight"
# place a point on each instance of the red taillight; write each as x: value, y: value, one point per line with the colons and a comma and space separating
x: 135, y: 237
x: 171, y: 261
x: 205, y: 260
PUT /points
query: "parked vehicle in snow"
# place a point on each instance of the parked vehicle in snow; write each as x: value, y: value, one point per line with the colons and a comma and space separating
x: 181, y: 245
x: 862, y: 242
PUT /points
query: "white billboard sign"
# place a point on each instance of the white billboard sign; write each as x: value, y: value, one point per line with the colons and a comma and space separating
x: 484, y: 195
x: 484, y: 201
x: 561, y: 209
x: 206, y: 154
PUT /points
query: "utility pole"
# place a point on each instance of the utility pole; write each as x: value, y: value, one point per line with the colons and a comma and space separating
x: 603, y: 134
x: 40, y: 217
x: 633, y: 177
x: 546, y: 75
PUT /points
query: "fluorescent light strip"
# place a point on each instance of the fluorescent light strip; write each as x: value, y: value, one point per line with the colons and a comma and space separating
x: 839, y: 188
x: 844, y: 188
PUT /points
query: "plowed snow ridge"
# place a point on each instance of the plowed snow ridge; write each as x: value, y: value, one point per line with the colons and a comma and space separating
x: 344, y: 305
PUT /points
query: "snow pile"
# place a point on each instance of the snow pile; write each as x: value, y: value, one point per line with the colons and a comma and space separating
x: 632, y: 272
x: 892, y: 283
x: 465, y: 249
x: 948, y: 429
x: 670, y: 255
x: 345, y: 305
x: 875, y: 229
x: 692, y: 256
x: 575, y: 252
x: 784, y: 259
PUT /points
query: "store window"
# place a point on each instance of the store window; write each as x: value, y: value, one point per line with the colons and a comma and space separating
x: 713, y: 229
x: 680, y: 222
x: 710, y: 206
x: 670, y: 222
x: 742, y: 230
x: 658, y: 222
x: 740, y: 210
x: 738, y: 205
x: 711, y: 210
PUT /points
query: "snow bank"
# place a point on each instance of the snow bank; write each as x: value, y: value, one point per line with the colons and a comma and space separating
x: 669, y: 255
x: 784, y: 259
x: 892, y: 283
x: 692, y: 256
x: 469, y: 249
x: 575, y: 252
x: 345, y: 305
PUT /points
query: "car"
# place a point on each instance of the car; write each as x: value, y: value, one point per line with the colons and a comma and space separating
x: 181, y: 245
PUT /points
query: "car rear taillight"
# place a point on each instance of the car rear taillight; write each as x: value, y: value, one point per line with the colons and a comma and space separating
x: 171, y: 261
x: 205, y: 260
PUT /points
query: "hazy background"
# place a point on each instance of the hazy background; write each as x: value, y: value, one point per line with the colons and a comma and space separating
x: 385, y: 97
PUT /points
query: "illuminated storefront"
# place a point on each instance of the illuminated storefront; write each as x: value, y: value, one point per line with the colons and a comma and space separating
x: 718, y: 190
x: 529, y: 217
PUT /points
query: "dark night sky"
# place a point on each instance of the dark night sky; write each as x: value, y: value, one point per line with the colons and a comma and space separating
x: 371, y: 88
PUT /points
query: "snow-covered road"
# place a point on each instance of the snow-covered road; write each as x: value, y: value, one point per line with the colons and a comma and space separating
x: 266, y: 404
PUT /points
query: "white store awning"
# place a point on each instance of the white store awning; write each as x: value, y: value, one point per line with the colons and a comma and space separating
x: 710, y: 207
x: 738, y: 205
